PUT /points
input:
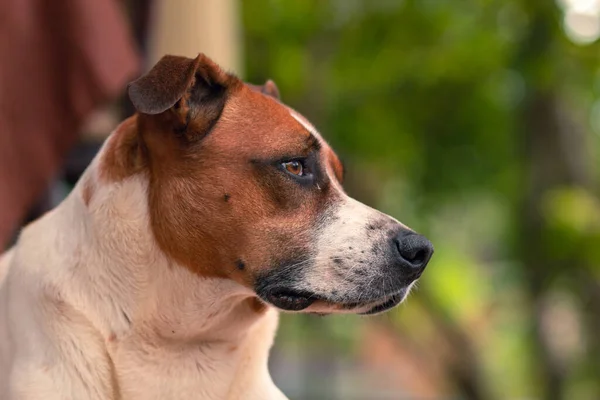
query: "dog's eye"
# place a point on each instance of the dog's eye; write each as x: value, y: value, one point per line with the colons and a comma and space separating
x: 294, y: 167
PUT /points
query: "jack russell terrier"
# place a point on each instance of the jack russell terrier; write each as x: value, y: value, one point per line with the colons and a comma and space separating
x: 160, y: 275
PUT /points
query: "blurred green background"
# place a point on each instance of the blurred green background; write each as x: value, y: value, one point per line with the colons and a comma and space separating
x: 476, y: 123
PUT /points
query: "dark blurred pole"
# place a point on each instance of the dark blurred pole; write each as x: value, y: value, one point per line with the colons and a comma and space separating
x: 553, y: 156
x: 539, y: 132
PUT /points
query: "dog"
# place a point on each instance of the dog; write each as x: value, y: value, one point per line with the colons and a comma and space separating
x: 161, y: 275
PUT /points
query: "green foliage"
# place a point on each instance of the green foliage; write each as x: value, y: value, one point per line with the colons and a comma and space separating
x: 424, y: 100
x: 573, y: 217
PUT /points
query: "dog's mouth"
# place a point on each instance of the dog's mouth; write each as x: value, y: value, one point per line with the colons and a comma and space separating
x: 291, y: 300
x: 295, y: 301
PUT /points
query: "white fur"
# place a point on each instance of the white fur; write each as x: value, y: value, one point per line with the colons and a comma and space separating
x: 91, y: 309
x: 335, y: 239
x: 306, y: 124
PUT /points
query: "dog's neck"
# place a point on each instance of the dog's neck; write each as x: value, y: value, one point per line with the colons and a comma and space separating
x: 136, y: 297
x: 129, y: 268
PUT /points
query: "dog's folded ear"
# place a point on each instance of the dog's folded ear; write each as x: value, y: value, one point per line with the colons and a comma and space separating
x: 195, y: 90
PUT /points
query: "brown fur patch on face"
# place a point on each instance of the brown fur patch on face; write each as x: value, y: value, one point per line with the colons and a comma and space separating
x: 217, y: 193
x: 336, y: 165
x: 268, y: 219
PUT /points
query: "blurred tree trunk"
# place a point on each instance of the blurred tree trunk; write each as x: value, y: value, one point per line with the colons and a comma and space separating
x: 540, y: 132
x: 463, y: 365
x: 541, y: 146
x: 554, y: 156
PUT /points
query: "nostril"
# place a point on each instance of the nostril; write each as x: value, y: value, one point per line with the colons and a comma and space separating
x: 418, y: 257
x: 414, y: 250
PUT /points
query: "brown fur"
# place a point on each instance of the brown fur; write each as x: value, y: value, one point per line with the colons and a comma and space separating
x: 218, y: 155
x: 123, y: 156
x: 191, y: 221
x: 269, y: 88
x: 336, y: 165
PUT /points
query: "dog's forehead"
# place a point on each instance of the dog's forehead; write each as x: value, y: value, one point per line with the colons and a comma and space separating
x: 261, y: 122
x: 256, y: 125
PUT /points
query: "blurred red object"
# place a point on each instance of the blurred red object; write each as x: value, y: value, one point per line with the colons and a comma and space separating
x: 60, y: 60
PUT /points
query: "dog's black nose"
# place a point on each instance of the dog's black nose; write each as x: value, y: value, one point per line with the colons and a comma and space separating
x: 414, y: 252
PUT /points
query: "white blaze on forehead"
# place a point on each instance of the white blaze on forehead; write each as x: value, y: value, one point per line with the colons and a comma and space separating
x: 307, y: 125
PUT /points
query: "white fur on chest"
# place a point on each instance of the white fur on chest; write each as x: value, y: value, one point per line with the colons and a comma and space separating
x: 86, y: 294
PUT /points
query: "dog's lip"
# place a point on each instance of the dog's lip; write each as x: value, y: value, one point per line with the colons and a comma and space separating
x: 295, y: 301
x: 290, y: 300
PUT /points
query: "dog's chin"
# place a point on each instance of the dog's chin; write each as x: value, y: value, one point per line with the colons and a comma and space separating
x: 387, y: 304
x: 302, y: 301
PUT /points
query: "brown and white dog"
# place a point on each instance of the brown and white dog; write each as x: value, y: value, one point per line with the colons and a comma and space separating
x: 160, y: 275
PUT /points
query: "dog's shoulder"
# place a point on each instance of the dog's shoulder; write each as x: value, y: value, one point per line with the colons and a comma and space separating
x: 48, y: 344
x: 5, y: 260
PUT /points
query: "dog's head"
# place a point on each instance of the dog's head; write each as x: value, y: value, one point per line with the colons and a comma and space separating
x: 244, y: 188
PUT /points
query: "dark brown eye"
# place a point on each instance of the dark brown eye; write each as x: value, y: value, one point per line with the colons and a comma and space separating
x: 294, y: 167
